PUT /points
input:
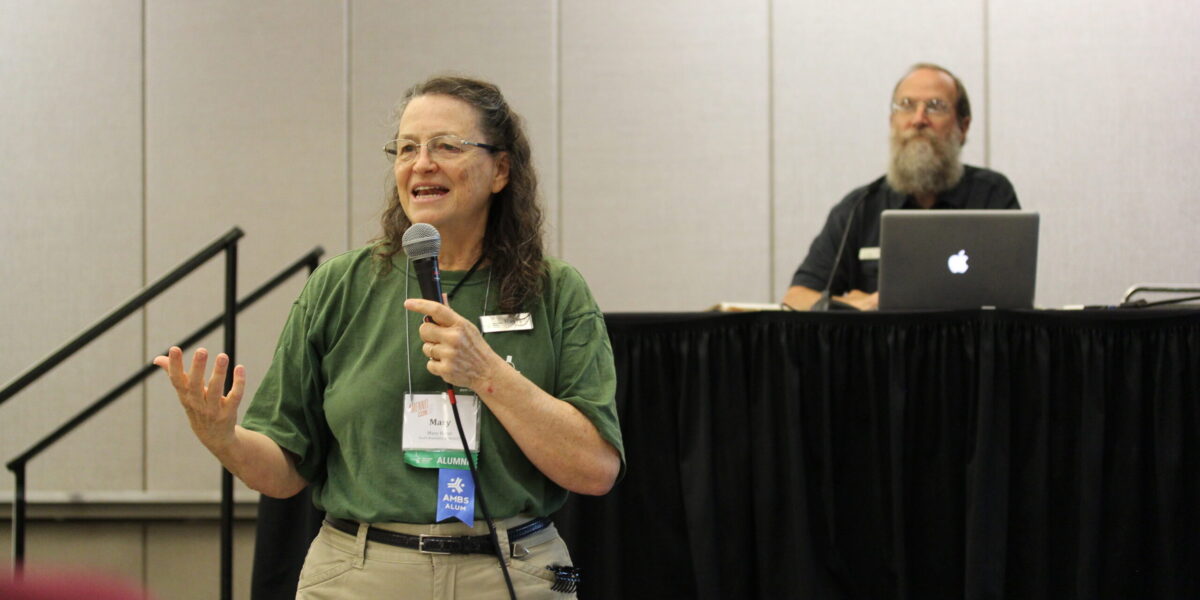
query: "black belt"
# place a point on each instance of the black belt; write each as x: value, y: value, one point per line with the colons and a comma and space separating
x: 436, y: 544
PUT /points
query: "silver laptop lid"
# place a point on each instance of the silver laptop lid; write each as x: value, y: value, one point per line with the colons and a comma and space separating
x: 957, y: 259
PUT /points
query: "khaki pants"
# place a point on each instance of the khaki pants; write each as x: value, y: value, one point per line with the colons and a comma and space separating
x: 340, y: 566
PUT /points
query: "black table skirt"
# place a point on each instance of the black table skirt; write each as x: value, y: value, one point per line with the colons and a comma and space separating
x: 974, y: 454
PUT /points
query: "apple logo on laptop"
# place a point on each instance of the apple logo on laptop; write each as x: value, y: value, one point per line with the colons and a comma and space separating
x: 958, y: 262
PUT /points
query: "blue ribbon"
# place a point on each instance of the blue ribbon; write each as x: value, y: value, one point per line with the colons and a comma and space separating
x: 456, y: 496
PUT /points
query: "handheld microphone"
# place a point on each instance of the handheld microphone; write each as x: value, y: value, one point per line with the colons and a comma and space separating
x: 422, y: 243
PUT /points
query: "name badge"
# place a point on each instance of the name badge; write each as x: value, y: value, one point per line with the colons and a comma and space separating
x: 871, y: 253
x: 500, y: 323
x: 429, y: 422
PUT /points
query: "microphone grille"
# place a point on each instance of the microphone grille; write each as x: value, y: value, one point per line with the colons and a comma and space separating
x: 422, y: 240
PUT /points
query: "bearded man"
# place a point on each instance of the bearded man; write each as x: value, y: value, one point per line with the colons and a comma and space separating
x: 929, y: 121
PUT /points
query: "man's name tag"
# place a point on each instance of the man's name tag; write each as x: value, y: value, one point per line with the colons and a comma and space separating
x: 871, y: 253
x: 499, y: 323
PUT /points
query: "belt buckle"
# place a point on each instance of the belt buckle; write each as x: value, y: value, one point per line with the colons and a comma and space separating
x: 421, y: 544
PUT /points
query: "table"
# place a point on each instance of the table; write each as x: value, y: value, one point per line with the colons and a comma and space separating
x: 966, y: 454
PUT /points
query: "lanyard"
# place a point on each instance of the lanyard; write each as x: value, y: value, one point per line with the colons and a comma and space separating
x: 470, y: 272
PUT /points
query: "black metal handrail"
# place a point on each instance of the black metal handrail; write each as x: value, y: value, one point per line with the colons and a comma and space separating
x: 108, y: 321
x: 226, y: 244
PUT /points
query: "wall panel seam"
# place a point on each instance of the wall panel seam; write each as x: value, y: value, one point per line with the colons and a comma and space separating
x: 347, y: 81
x: 559, y: 201
x: 145, y: 336
x: 987, y: 87
x: 771, y: 241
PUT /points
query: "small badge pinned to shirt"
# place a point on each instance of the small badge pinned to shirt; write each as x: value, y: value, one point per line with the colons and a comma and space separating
x: 868, y: 253
x: 500, y: 323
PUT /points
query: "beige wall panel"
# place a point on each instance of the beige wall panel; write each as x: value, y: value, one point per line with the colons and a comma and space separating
x: 395, y: 44
x: 1088, y: 122
x: 183, y: 560
x: 665, y: 151
x: 109, y: 549
x: 70, y: 232
x: 834, y: 69
x: 245, y: 111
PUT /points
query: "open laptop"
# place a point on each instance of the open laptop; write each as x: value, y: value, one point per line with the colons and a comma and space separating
x: 954, y: 259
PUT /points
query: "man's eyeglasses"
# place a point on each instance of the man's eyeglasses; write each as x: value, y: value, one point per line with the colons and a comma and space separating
x: 442, y: 147
x: 934, y: 107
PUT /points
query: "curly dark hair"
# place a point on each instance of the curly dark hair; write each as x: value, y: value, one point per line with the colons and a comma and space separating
x: 512, y: 241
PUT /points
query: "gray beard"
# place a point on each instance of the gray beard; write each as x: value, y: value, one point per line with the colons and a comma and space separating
x: 924, y: 166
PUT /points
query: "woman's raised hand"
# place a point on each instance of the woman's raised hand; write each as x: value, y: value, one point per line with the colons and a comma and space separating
x: 211, y: 414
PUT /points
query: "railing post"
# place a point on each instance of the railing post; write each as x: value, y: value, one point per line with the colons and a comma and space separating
x: 18, y: 548
x: 226, y: 477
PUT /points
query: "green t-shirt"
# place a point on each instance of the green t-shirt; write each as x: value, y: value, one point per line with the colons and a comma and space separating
x: 334, y: 394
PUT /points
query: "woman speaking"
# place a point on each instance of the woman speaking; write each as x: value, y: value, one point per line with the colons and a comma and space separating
x: 355, y: 401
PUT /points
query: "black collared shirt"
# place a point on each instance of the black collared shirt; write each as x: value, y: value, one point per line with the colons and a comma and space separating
x: 979, y: 188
